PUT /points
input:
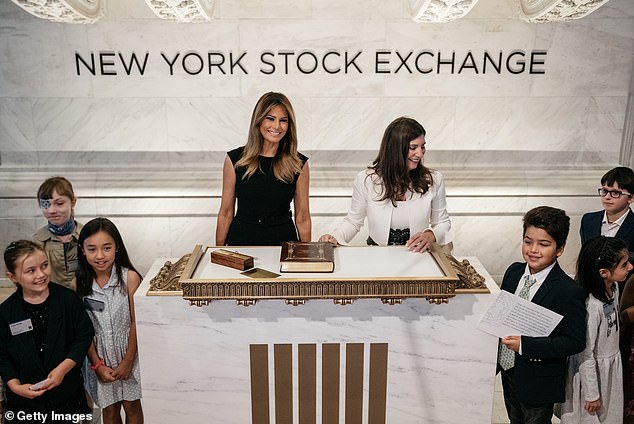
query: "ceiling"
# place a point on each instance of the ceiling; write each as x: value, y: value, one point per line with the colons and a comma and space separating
x: 424, y: 11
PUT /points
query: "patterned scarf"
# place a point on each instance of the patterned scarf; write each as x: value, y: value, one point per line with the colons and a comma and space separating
x: 65, y: 229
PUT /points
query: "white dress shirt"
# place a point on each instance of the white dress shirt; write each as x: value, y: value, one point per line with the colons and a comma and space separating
x: 609, y: 229
x: 539, y: 277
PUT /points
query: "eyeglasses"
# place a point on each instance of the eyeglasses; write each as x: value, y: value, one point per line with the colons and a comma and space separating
x: 615, y: 194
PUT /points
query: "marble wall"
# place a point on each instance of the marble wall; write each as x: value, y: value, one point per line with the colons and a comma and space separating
x: 146, y: 149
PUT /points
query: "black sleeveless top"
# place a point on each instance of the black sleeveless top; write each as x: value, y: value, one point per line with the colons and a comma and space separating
x: 263, y: 216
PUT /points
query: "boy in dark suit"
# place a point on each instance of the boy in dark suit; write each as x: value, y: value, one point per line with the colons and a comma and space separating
x: 534, y: 368
x: 616, y: 219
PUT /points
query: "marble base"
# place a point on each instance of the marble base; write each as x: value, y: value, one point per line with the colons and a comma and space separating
x: 195, y: 361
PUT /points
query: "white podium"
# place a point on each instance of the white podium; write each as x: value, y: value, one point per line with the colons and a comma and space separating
x: 319, y: 362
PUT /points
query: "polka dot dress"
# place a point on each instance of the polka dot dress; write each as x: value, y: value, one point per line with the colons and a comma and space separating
x: 112, y: 326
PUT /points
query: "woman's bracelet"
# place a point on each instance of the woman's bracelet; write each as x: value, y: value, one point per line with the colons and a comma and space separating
x: 97, y: 365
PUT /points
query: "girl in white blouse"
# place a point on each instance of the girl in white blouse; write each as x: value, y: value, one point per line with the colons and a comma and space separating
x: 403, y: 200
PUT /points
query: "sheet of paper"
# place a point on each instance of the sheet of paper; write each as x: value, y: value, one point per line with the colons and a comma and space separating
x: 510, y: 315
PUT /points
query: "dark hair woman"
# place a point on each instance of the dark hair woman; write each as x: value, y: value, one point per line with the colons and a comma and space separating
x: 403, y: 200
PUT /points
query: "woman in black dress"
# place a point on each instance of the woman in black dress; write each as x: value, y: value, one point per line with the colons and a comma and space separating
x: 264, y: 176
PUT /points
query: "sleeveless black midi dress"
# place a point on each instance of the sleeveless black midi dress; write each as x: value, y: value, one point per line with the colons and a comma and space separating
x: 263, y: 216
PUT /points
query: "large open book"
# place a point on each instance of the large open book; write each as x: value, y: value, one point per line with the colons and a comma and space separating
x: 300, y: 256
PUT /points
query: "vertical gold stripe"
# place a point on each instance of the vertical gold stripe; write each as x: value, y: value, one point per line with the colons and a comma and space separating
x: 330, y: 363
x: 283, y: 384
x: 307, y: 364
x: 354, y: 383
x: 378, y: 383
x: 259, y: 384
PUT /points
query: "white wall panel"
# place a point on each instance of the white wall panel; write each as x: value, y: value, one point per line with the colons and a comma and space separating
x: 147, y: 149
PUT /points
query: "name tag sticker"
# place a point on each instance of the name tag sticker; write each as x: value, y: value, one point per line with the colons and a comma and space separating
x: 21, y: 327
x: 609, y: 309
x: 94, y: 304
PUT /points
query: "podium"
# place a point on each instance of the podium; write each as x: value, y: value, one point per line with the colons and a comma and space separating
x: 319, y: 362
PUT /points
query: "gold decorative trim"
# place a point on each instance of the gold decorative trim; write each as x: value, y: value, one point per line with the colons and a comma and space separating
x: 167, y: 281
x: 437, y: 300
x: 437, y: 290
x: 391, y: 301
x: 297, y: 292
x: 468, y: 276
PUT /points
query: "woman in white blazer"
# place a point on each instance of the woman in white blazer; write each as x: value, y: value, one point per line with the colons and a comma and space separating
x: 403, y: 200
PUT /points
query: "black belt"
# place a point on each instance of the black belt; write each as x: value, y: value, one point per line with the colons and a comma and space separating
x: 266, y: 220
x: 396, y: 238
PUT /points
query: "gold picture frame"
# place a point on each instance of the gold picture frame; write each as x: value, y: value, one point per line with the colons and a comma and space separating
x: 457, y: 277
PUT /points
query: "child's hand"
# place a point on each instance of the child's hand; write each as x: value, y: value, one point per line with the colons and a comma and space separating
x: 24, y: 391
x: 512, y: 342
x: 593, y: 406
x: 123, y: 371
x: 105, y: 374
x: 55, y: 377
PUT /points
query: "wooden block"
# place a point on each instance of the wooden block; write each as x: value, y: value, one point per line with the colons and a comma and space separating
x: 232, y: 259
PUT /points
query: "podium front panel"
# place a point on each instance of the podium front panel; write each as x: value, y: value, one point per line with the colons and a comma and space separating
x: 319, y: 362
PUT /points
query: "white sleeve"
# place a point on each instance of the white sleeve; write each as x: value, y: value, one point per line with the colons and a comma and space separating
x: 353, y: 222
x: 587, y: 360
x: 439, y: 219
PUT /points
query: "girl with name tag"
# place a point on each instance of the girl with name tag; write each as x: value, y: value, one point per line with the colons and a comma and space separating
x: 107, y: 280
x: 59, y: 237
x: 44, y: 335
x: 594, y: 387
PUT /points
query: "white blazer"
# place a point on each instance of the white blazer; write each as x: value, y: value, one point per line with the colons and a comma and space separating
x: 428, y: 211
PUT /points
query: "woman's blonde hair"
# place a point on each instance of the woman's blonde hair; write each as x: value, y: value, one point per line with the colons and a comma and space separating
x: 286, y: 163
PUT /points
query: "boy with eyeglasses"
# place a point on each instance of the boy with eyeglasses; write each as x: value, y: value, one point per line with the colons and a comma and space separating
x: 616, y: 219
